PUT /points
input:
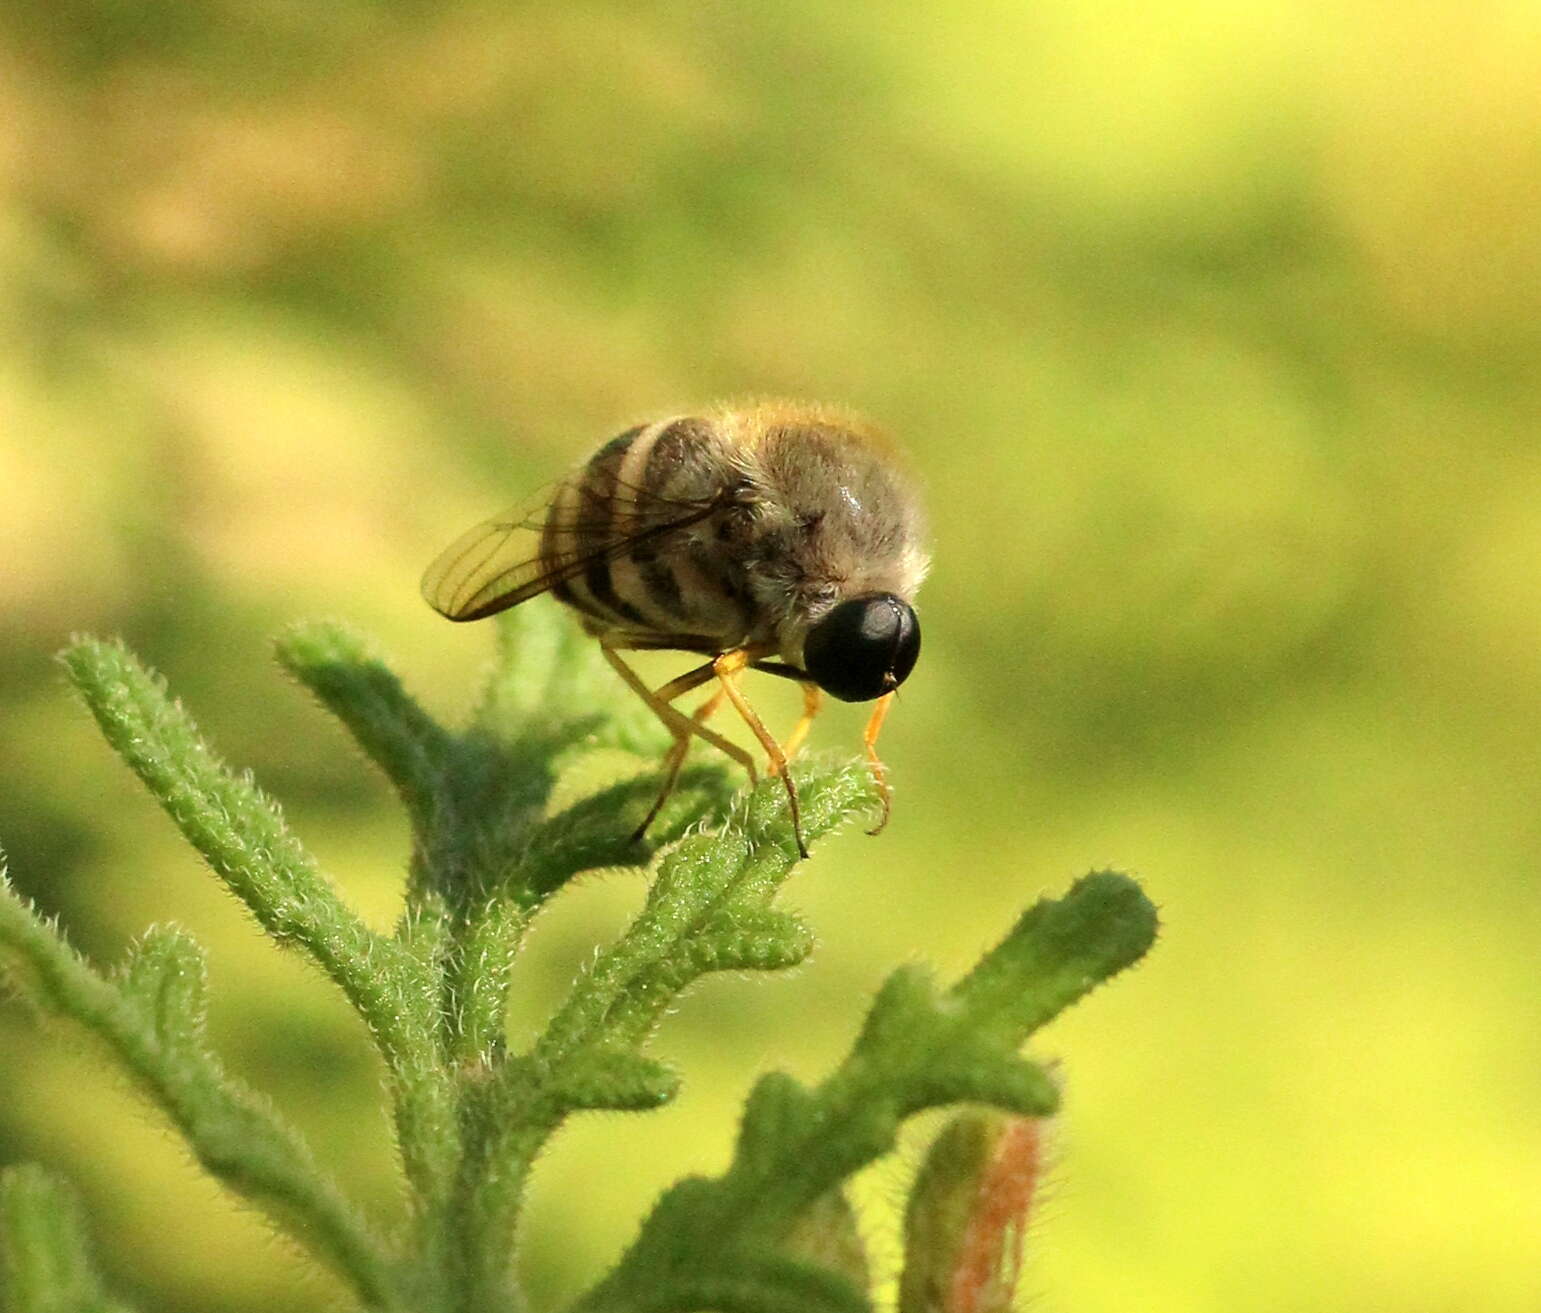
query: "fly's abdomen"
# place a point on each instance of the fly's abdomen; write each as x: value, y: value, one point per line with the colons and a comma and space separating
x: 645, y: 516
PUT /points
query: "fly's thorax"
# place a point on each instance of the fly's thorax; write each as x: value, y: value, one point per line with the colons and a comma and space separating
x: 856, y: 519
x: 833, y: 519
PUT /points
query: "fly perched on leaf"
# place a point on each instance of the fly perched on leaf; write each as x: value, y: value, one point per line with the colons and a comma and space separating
x: 777, y: 537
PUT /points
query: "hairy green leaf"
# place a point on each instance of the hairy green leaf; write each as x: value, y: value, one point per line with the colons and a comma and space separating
x: 45, y: 1253
x: 491, y: 845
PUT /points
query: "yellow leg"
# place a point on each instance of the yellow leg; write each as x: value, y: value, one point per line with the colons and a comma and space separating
x: 813, y: 699
x: 675, y: 720
x: 675, y: 760
x: 682, y: 684
x: 879, y: 772
x: 728, y: 667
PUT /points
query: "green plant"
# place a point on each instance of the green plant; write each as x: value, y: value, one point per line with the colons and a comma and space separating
x: 772, y: 1233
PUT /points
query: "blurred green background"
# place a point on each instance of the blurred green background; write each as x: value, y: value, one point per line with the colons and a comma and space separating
x: 1212, y: 331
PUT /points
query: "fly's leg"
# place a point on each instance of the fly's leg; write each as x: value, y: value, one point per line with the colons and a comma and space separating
x: 675, y: 760
x: 813, y: 699
x: 728, y: 667
x: 681, y: 726
x: 879, y: 771
x: 675, y: 720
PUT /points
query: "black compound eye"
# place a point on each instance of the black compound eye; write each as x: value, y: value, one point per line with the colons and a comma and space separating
x: 863, y: 648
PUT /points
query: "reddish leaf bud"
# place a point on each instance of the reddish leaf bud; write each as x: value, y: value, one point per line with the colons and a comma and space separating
x: 968, y: 1212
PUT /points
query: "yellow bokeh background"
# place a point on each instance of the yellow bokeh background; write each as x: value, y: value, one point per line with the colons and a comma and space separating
x: 1212, y: 331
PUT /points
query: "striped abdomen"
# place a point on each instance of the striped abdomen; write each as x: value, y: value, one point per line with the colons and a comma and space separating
x: 647, y: 511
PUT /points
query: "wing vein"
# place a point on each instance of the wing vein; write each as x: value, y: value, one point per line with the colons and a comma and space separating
x: 494, y: 566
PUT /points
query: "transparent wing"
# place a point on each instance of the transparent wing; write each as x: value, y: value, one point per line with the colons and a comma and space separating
x: 499, y: 563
